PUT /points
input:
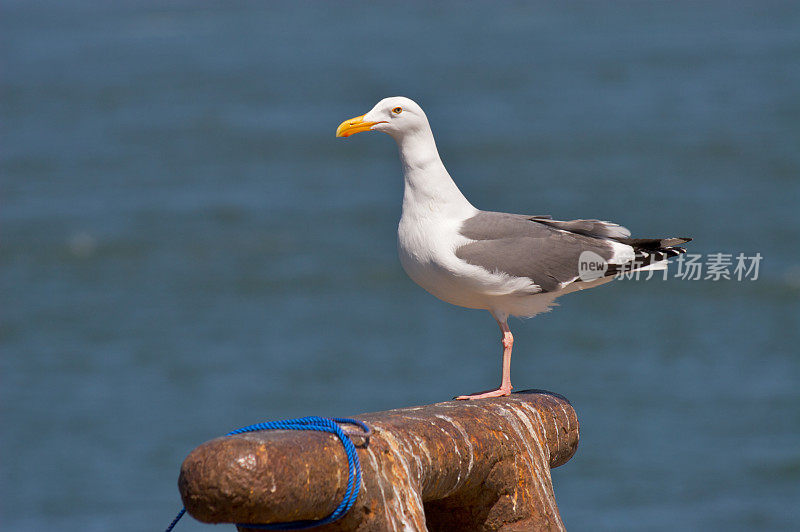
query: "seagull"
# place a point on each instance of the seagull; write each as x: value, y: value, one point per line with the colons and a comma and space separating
x: 508, y: 264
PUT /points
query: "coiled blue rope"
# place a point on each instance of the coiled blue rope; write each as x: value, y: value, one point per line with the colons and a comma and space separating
x: 321, y: 424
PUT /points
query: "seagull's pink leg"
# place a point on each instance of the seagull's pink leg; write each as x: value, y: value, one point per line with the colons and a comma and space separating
x: 505, y: 386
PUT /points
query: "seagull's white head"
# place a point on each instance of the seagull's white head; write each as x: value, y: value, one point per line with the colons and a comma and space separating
x: 398, y: 116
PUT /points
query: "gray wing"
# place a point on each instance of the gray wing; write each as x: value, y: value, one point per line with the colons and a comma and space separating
x: 544, y: 250
x: 593, y: 228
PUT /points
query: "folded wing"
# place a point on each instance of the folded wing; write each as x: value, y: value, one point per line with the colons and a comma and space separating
x: 547, y: 251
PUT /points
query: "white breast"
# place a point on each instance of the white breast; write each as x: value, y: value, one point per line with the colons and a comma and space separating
x: 426, y: 242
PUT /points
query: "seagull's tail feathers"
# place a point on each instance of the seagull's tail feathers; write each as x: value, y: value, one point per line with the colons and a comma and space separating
x: 650, y: 253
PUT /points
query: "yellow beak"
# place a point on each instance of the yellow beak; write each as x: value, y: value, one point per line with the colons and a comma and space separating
x: 353, y: 126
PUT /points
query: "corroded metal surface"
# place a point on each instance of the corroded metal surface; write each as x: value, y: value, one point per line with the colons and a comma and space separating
x: 458, y: 465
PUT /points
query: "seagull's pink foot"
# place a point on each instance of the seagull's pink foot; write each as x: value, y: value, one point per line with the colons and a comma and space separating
x: 505, y: 383
x: 500, y: 392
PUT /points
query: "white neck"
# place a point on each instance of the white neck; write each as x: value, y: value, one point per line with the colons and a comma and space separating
x: 428, y: 186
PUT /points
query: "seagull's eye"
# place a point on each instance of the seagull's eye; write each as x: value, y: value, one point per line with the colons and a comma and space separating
x: 397, y: 110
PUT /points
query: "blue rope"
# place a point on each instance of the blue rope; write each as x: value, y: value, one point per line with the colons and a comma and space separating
x: 321, y: 424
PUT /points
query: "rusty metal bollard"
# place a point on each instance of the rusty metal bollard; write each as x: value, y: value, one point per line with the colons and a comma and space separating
x: 459, y: 465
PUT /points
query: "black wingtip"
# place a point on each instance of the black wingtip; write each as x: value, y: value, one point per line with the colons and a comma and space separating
x: 672, y: 242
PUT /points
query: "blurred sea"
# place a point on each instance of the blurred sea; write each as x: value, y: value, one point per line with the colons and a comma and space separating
x: 186, y: 248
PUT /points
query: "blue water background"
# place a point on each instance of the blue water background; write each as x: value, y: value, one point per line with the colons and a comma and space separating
x: 185, y: 248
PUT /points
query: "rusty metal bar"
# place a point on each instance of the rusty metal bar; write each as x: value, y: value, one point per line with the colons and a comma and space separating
x: 459, y: 465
